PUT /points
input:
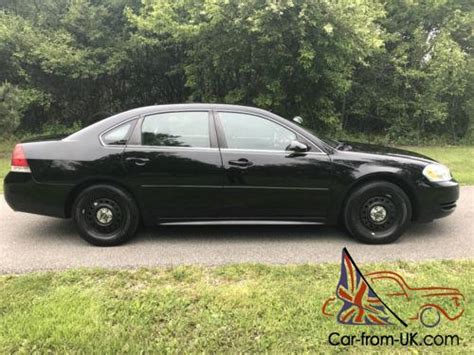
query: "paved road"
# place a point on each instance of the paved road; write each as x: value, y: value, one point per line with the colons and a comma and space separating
x: 29, y: 242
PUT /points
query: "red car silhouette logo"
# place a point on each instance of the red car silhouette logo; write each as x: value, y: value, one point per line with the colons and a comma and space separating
x: 430, y: 303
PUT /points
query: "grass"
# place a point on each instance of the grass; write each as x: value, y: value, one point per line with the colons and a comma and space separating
x: 460, y: 159
x: 235, y: 308
x: 6, y: 147
x: 4, y: 169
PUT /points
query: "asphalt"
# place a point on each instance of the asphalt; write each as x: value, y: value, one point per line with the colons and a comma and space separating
x: 32, y: 243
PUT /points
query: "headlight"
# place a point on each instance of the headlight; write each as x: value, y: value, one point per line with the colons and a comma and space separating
x: 437, y: 173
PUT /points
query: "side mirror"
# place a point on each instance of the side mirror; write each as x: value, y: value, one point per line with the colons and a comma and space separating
x: 298, y: 147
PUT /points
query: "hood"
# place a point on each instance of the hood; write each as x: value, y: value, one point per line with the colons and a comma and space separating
x: 439, y: 292
x: 382, y: 150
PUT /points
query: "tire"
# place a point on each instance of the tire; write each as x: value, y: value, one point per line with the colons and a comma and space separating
x: 105, y: 215
x: 377, y: 212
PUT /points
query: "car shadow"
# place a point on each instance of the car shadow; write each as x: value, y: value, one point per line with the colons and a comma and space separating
x: 246, y: 233
x: 64, y: 231
x: 56, y: 230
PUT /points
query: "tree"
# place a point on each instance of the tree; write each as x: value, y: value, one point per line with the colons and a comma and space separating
x: 401, y: 68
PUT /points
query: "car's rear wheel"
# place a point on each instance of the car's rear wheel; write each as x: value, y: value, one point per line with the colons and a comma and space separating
x: 377, y: 212
x: 105, y: 215
x: 430, y: 317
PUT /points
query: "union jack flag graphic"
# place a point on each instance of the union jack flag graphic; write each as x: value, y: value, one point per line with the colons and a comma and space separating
x: 361, y: 305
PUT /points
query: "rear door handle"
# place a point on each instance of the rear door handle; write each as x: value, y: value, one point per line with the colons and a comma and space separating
x: 138, y: 161
x: 242, y: 163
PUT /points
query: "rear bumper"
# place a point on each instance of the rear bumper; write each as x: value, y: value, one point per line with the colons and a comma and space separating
x: 24, y: 194
x: 436, y: 200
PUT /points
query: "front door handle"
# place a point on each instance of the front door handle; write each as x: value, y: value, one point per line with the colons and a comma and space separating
x: 242, y: 163
x: 138, y: 161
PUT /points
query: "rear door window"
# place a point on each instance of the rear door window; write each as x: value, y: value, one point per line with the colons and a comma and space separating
x: 177, y: 129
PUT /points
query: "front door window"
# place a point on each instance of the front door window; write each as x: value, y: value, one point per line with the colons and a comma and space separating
x: 243, y: 131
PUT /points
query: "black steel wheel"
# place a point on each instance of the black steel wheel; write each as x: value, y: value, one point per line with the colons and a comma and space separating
x: 377, y: 212
x: 105, y: 215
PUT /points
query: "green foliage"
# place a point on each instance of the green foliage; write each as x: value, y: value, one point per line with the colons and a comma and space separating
x: 13, y: 102
x: 289, y: 57
x: 4, y: 169
x: 402, y: 69
x: 57, y: 128
x: 421, y: 83
x: 9, y: 114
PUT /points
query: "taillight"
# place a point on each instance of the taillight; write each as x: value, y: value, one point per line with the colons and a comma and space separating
x: 19, y: 162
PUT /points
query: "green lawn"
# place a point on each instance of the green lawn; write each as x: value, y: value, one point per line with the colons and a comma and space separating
x: 4, y: 169
x: 235, y: 308
x: 460, y: 159
x: 6, y: 148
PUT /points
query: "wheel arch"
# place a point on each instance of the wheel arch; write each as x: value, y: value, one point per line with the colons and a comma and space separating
x: 388, y: 177
x: 91, y: 182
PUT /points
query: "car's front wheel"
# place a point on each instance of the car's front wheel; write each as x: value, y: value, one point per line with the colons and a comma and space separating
x: 105, y: 215
x: 377, y: 212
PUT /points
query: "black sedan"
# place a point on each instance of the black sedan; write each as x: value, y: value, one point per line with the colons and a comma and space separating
x: 209, y: 163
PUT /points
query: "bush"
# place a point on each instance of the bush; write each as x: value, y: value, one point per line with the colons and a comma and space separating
x: 10, y: 102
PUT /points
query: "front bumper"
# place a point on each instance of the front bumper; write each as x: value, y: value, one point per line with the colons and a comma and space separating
x: 435, y: 200
x: 24, y: 194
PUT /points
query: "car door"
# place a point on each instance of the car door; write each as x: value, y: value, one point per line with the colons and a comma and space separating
x: 263, y: 180
x: 174, y: 162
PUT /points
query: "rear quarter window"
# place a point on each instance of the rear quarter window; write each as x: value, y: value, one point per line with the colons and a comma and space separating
x: 118, y: 135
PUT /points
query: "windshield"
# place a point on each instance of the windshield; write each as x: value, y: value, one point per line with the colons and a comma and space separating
x: 332, y: 142
x: 329, y: 141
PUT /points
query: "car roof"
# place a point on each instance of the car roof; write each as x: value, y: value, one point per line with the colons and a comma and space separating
x: 97, y: 128
x: 387, y: 274
x: 111, y: 121
x: 198, y: 106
